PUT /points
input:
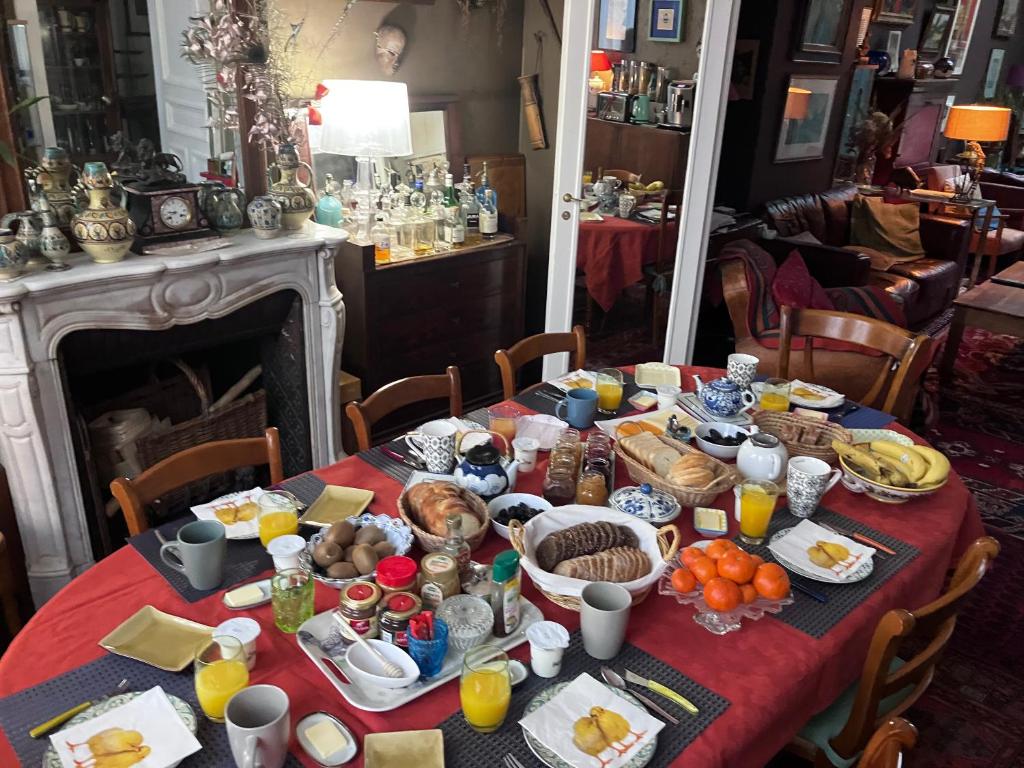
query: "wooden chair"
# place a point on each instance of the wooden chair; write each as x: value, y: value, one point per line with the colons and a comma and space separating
x: 896, y: 384
x: 187, y: 466
x: 886, y: 748
x: 532, y: 347
x: 889, y: 685
x: 399, y: 394
x: 12, y: 617
x: 658, y: 276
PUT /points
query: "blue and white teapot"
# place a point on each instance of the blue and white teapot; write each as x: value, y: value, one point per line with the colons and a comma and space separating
x: 483, y: 469
x: 724, y: 397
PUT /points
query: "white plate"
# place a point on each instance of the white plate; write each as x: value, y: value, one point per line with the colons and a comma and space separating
x: 831, y: 398
x: 858, y: 575
x: 249, y: 529
x: 341, y: 756
x: 657, y: 417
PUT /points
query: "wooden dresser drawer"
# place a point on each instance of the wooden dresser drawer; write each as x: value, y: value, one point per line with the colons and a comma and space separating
x: 428, y: 284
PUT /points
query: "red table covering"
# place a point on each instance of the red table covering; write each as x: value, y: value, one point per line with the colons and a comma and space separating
x: 612, y: 254
x: 775, y: 677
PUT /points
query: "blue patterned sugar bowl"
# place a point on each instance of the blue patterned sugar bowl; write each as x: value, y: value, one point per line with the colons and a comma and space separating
x: 645, y: 503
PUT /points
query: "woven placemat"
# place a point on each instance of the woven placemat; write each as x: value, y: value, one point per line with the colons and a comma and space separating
x: 393, y: 468
x: 243, y: 559
x: 27, y: 709
x: 806, y: 613
x: 465, y: 748
x: 539, y: 398
x: 306, y: 488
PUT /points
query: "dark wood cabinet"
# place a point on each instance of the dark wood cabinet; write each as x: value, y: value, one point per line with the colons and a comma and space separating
x: 916, y: 108
x: 657, y: 154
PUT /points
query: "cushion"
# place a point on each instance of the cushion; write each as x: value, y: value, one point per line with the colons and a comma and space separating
x: 1010, y: 241
x: 804, y: 237
x: 892, y: 229
x: 793, y: 285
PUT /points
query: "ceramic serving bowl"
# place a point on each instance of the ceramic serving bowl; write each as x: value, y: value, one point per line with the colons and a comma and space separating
x: 887, y: 494
x: 501, y: 503
x: 397, y: 532
x: 646, y: 503
x: 366, y: 669
x: 725, y: 452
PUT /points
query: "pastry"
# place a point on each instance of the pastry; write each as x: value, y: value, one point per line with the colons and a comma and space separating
x: 618, y: 564
x: 582, y: 539
x: 432, y: 501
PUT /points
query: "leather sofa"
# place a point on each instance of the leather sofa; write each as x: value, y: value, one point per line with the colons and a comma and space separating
x: 926, y: 288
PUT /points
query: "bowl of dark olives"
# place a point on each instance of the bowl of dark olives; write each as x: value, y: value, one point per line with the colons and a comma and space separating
x: 514, y: 506
x: 721, y: 440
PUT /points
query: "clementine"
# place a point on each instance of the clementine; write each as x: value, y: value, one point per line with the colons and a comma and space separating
x: 758, y: 560
x: 771, y: 581
x: 717, y: 549
x: 683, y: 580
x: 738, y: 566
x: 722, y: 595
x: 690, y: 554
x: 704, y: 569
x: 749, y: 593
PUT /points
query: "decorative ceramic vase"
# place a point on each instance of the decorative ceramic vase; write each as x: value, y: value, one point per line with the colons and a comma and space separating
x: 944, y: 67
x: 104, y: 230
x: 224, y: 208
x: 54, y: 175
x: 12, y: 256
x: 297, y: 200
x: 29, y: 228
x: 54, y: 246
x: 627, y: 203
x: 881, y: 60
x: 924, y: 70
x: 265, y: 216
x: 203, y: 196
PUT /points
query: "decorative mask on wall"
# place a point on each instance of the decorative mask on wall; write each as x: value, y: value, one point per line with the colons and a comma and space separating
x: 390, y: 45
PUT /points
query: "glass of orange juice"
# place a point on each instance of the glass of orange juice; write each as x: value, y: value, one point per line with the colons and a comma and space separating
x: 775, y: 395
x: 503, y: 420
x: 609, y: 390
x: 278, y: 515
x: 485, y: 688
x: 220, y: 673
x: 757, y: 503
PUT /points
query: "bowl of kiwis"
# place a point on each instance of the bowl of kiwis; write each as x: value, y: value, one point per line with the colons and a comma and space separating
x: 514, y: 506
x: 721, y: 440
x: 350, y: 549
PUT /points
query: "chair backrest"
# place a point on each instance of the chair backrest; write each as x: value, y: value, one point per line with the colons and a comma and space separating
x: 936, y: 176
x: 519, y: 354
x: 887, y: 746
x: 399, y: 394
x: 668, y: 229
x: 192, y: 464
x: 895, y: 386
x: 930, y: 629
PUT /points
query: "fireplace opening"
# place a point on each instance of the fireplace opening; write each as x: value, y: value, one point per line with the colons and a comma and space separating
x: 254, y: 356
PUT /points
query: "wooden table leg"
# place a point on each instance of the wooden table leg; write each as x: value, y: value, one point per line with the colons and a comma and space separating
x: 956, y: 332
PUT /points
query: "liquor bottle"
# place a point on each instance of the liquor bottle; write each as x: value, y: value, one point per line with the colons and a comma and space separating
x: 439, y: 214
x: 484, y: 186
x: 423, y: 242
x: 451, y: 197
x: 455, y: 545
x: 454, y: 228
x: 468, y: 203
x: 417, y: 198
x: 488, y: 216
x: 381, y: 234
x: 432, y: 184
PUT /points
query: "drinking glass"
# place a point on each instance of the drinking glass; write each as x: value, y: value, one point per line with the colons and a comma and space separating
x: 429, y: 654
x: 291, y: 593
x: 503, y: 420
x: 220, y: 673
x: 278, y: 515
x: 609, y: 390
x: 485, y: 688
x: 757, y: 503
x: 775, y: 395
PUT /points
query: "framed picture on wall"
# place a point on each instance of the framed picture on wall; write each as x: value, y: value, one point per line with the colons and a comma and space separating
x: 804, y: 129
x: 1006, y: 18
x: 858, y: 107
x: 823, y: 31
x: 936, y: 30
x: 899, y: 12
x: 665, y: 21
x: 960, y: 35
x: 617, y: 28
x: 995, y: 68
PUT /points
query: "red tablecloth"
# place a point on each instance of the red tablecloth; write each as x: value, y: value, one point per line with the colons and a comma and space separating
x: 775, y: 677
x: 612, y: 254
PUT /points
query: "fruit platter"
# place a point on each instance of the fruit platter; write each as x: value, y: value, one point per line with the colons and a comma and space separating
x: 725, y: 584
x: 892, y: 472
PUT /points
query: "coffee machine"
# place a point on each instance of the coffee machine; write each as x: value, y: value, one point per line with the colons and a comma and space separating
x: 679, y: 104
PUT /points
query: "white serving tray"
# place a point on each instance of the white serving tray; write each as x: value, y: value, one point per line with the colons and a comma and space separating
x: 374, y: 699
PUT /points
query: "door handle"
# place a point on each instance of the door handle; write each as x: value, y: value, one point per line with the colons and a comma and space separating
x: 567, y: 198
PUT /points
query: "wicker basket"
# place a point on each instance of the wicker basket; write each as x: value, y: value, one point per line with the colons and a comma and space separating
x: 775, y: 422
x: 726, y: 476
x: 432, y: 543
x: 668, y: 544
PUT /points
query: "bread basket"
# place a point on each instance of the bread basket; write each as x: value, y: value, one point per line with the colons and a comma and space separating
x: 778, y: 424
x: 726, y: 475
x: 431, y: 543
x: 660, y: 544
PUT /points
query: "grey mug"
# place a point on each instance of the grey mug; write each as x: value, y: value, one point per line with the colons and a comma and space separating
x: 198, y: 552
x: 604, y: 614
x: 258, y: 726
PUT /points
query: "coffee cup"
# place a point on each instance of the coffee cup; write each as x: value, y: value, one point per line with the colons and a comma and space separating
x: 258, y: 726
x: 604, y: 614
x: 434, y: 445
x: 807, y: 480
x: 198, y: 552
x: 741, y: 369
x: 578, y: 407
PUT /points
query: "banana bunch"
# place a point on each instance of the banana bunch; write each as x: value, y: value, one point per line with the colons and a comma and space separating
x: 902, y: 466
x: 654, y: 186
x: 825, y: 554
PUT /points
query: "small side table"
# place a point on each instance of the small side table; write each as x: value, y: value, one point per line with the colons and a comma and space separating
x: 993, y: 306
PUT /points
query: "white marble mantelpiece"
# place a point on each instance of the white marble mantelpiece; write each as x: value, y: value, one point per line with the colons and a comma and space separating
x: 147, y: 293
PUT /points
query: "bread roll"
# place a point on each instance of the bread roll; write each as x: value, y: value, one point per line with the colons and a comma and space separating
x: 432, y: 501
x: 693, y: 460
x: 651, y: 452
x: 618, y: 564
x: 693, y: 477
x: 582, y: 539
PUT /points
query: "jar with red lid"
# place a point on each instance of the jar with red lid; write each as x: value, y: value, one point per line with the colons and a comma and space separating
x: 359, y: 605
x: 394, y: 613
x: 397, y: 574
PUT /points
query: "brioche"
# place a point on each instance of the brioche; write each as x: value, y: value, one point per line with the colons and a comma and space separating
x: 582, y: 539
x: 617, y: 564
x: 691, y: 477
x: 432, y: 502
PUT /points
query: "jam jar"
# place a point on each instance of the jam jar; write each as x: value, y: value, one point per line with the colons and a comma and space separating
x: 440, y: 578
x: 393, y: 617
x: 396, y: 574
x: 592, y: 489
x: 359, y: 605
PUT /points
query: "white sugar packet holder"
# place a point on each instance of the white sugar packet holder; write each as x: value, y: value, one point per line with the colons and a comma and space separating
x: 794, y: 546
x: 587, y: 724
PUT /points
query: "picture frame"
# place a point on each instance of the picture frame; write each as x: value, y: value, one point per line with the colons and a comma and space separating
x: 1007, y: 17
x: 744, y: 68
x: 995, y: 68
x: 893, y: 41
x: 960, y: 36
x: 822, y: 35
x: 896, y: 12
x: 665, y: 21
x: 937, y: 27
x: 616, y: 29
x: 858, y: 107
x: 805, y: 139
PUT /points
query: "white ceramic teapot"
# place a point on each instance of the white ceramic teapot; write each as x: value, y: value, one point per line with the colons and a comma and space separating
x: 762, y: 457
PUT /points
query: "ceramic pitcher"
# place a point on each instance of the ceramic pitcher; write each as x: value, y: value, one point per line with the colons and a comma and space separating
x: 225, y: 207
x: 297, y: 200
x: 483, y: 469
x: 29, y: 227
x: 104, y: 230
x: 52, y: 243
x: 12, y: 256
x: 54, y: 174
x: 265, y: 216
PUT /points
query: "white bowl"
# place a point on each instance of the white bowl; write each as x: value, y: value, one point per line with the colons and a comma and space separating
x: 366, y: 669
x: 497, y: 504
x: 727, y: 452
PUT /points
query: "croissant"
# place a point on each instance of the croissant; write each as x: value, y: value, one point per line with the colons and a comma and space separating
x: 618, y: 564
x: 582, y: 539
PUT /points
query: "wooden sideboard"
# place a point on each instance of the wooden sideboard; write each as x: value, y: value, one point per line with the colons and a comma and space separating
x: 657, y: 154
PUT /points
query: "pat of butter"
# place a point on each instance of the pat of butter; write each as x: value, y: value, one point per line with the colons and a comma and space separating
x: 810, y: 414
x: 710, y: 521
x: 642, y: 401
x: 325, y: 738
x: 250, y: 593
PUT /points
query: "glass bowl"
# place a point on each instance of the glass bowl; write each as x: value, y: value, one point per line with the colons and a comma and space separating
x: 469, y: 620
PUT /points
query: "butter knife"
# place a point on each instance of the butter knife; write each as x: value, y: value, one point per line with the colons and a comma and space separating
x: 662, y: 690
x: 63, y: 717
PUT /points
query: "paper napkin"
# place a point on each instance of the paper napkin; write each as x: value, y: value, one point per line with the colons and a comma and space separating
x: 574, y: 380
x: 793, y: 548
x: 147, y: 727
x: 237, y: 511
x: 588, y: 723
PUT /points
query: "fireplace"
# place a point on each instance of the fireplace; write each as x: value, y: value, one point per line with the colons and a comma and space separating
x: 68, y: 338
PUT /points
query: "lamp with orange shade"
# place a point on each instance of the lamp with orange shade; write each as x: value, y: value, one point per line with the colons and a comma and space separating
x: 601, y: 67
x: 798, y: 101
x: 974, y: 123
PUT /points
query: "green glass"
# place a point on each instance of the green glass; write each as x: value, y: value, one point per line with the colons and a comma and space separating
x: 292, y: 598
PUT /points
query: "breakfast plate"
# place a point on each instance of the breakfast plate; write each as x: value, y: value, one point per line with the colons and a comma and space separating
x: 814, y: 395
x: 237, y: 511
x: 858, y: 575
x: 159, y: 639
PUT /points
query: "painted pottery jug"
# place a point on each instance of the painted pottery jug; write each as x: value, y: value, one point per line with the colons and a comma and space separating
x: 104, y: 230
x: 224, y: 207
x: 12, y: 256
x: 53, y: 174
x: 723, y: 397
x: 297, y: 200
x: 203, y: 196
x: 29, y: 228
x: 265, y: 216
x: 329, y: 207
x: 483, y: 469
x: 54, y: 246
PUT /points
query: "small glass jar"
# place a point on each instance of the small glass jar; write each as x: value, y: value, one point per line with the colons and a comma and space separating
x: 359, y: 605
x: 599, y: 464
x: 599, y: 445
x: 592, y: 489
x: 439, y: 574
x: 395, y: 610
x: 396, y: 574
x: 559, y: 486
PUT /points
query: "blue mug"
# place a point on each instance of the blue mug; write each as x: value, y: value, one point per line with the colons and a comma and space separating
x: 581, y: 405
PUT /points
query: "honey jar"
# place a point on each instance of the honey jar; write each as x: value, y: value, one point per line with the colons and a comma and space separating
x: 592, y: 489
x: 439, y: 573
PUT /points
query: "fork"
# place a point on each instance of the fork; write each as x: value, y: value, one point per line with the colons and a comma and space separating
x: 512, y: 762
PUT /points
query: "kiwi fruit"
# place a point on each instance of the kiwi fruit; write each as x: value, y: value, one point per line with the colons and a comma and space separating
x: 341, y: 533
x: 384, y: 549
x: 369, y: 534
x: 326, y: 553
x: 342, y: 571
x: 347, y: 553
x: 364, y: 558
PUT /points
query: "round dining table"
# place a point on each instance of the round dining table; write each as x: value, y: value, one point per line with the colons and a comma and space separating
x: 774, y: 677
x: 612, y: 255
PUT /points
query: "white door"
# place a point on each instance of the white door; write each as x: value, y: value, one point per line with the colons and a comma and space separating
x: 180, y: 98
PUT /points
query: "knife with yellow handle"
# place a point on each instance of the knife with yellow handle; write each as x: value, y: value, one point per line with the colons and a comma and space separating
x: 662, y: 690
x: 59, y: 720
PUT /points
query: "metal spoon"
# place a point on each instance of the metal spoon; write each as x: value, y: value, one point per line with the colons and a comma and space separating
x: 614, y: 679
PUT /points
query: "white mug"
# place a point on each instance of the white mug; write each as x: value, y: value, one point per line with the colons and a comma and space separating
x: 742, y: 369
x: 434, y: 445
x: 807, y: 480
x: 258, y: 726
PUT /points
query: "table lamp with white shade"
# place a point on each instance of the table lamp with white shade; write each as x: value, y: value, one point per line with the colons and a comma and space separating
x: 973, y: 124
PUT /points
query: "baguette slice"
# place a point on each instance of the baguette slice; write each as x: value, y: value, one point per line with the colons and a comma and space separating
x: 617, y: 565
